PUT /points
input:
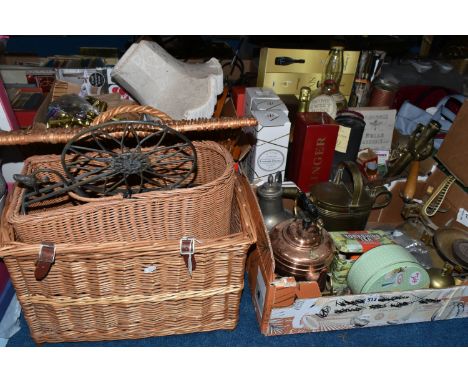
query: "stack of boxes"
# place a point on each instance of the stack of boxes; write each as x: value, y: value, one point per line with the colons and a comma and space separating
x: 269, y: 153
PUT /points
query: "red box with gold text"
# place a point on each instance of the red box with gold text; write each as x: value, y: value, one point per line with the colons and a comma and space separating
x: 313, y: 148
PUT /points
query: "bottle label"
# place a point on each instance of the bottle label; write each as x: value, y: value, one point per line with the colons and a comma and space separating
x: 342, y: 139
x: 339, y: 98
x: 324, y: 103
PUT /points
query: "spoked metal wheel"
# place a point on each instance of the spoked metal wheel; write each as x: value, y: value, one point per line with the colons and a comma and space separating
x: 127, y: 158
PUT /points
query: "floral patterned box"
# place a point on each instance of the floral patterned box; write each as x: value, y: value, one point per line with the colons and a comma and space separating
x: 285, y: 306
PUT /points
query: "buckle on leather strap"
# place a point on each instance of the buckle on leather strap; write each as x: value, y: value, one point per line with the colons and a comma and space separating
x: 45, y: 259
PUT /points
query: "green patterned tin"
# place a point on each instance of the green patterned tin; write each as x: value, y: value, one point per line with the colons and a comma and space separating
x: 350, y: 246
x: 359, y: 241
x: 387, y: 268
x: 339, y: 269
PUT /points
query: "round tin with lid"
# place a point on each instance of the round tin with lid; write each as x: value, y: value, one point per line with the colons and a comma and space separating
x: 383, y: 93
x: 387, y: 268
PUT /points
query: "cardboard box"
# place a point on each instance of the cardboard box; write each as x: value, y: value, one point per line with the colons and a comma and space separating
x: 453, y: 151
x: 91, y: 80
x: 288, y: 79
x: 22, y: 60
x: 264, y: 94
x: 313, y: 148
x: 12, y: 158
x: 8, y: 120
x: 238, y: 97
x: 285, y: 306
x: 454, y: 202
x: 113, y: 100
x: 269, y: 105
x: 25, y: 104
x: 269, y: 153
x: 378, y: 132
x: 38, y: 76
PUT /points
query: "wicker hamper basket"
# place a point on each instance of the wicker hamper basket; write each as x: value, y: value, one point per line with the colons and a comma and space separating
x: 134, y: 289
x: 203, y: 211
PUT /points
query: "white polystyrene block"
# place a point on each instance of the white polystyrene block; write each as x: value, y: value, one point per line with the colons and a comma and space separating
x: 155, y: 78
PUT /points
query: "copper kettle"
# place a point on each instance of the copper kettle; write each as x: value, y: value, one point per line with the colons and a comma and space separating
x: 345, y: 209
x: 301, y: 247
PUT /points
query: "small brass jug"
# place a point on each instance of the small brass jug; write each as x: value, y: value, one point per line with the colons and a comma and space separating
x: 344, y: 209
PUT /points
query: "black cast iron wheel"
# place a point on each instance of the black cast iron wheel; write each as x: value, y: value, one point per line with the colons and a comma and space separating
x: 128, y: 158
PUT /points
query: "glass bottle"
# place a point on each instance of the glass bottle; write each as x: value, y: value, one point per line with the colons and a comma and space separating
x: 329, y: 98
x: 302, y: 107
x: 304, y: 99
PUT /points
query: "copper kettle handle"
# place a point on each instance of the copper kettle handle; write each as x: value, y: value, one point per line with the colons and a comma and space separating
x: 357, y: 180
x: 376, y: 192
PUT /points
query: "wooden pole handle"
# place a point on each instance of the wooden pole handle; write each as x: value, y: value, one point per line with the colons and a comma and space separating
x: 411, y: 182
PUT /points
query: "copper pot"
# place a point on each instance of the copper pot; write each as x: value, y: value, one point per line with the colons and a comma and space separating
x: 301, y: 250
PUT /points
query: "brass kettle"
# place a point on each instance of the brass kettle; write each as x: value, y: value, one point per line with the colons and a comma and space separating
x: 344, y: 209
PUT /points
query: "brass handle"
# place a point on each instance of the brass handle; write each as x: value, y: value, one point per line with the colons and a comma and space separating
x: 432, y: 205
x: 357, y: 180
x: 381, y: 190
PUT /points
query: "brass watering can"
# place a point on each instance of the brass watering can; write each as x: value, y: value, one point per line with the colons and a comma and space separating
x: 347, y: 209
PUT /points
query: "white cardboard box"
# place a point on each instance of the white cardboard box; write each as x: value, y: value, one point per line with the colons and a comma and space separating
x: 264, y: 94
x: 269, y: 105
x: 268, y: 155
x: 378, y: 132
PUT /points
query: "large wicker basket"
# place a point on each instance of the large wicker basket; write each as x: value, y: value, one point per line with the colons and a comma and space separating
x: 203, y: 211
x: 133, y: 289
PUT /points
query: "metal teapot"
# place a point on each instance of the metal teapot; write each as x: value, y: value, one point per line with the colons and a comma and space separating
x: 343, y: 209
x: 271, y: 202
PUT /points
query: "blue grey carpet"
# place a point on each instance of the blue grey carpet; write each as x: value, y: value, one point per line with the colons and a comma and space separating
x: 438, y: 333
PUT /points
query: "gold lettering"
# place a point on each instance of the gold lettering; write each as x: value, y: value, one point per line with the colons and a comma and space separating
x: 318, y: 159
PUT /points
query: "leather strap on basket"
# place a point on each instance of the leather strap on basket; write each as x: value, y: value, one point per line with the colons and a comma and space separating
x: 125, y: 109
x: 45, y: 260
